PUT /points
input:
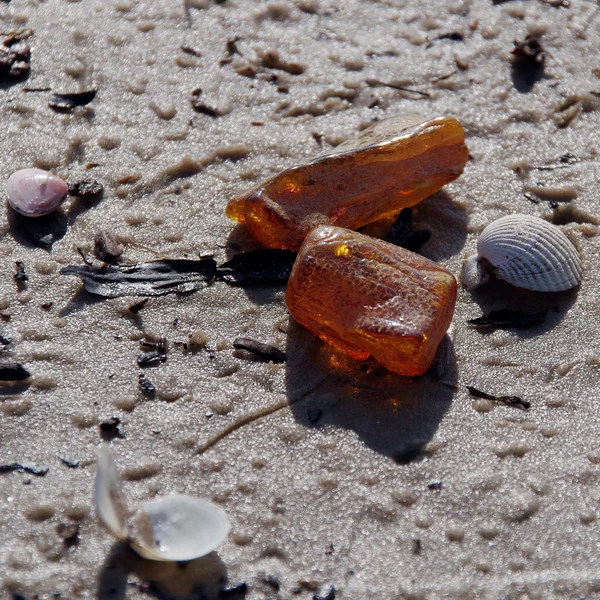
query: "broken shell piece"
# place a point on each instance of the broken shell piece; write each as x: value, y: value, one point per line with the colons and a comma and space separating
x: 35, y: 193
x: 111, y: 505
x: 393, y: 164
x: 368, y: 297
x: 527, y: 252
x: 173, y: 528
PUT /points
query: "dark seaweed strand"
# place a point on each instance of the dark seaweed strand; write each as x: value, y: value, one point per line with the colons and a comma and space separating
x: 509, y: 318
x: 13, y: 372
x: 260, y: 349
x: 510, y: 400
x: 258, y: 266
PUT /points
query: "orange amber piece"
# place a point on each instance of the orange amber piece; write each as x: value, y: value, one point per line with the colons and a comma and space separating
x: 393, y: 164
x: 368, y: 297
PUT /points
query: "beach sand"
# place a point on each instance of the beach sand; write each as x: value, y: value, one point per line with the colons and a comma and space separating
x: 332, y: 472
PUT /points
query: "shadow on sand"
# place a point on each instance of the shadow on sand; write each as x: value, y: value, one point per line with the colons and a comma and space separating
x: 394, y: 415
x: 497, y: 294
x: 447, y: 222
x: 38, y: 232
x: 201, y: 579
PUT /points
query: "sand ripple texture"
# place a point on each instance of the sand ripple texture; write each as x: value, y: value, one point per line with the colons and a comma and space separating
x: 332, y: 472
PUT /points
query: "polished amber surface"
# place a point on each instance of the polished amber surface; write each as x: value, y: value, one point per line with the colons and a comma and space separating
x: 368, y: 297
x: 393, y: 164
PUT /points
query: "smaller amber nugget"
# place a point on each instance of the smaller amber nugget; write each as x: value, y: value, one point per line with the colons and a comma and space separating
x: 368, y: 297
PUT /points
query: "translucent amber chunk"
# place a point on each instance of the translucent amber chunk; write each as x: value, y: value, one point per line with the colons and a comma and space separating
x: 393, y: 164
x: 368, y: 297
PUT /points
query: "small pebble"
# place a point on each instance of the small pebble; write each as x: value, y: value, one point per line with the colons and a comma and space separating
x: 326, y: 593
x: 587, y: 517
x: 86, y: 187
x: 455, y: 534
x: 34, y: 192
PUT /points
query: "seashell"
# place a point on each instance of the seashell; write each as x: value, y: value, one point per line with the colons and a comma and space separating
x: 395, y: 163
x: 527, y: 252
x: 34, y: 192
x: 173, y: 528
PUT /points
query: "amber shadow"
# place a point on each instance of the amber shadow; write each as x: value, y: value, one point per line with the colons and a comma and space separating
x: 393, y: 415
x: 447, y: 222
x: 203, y: 578
x: 241, y: 240
x: 499, y: 295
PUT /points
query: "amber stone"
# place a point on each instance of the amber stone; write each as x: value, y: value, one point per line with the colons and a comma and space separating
x: 391, y: 165
x: 368, y: 297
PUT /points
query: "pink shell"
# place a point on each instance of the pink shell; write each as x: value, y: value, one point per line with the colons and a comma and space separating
x: 34, y: 192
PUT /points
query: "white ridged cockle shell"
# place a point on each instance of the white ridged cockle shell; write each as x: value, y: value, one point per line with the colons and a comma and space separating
x: 172, y: 528
x: 527, y: 252
x: 35, y: 193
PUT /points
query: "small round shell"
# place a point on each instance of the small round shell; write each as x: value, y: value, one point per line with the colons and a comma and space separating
x: 172, y: 528
x: 35, y: 193
x: 178, y: 528
x: 474, y: 273
x: 527, y: 252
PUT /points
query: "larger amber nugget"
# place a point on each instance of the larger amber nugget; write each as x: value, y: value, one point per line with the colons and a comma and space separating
x: 368, y: 297
x: 391, y: 165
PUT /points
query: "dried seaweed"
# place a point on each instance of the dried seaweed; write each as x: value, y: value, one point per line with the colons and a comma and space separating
x: 564, y: 161
x: 69, y: 532
x: 453, y: 36
x: 402, y: 233
x: 271, y: 60
x: 509, y: 318
x: 200, y: 107
x: 232, y: 46
x: 510, y: 400
x: 159, y: 344
x: 15, y: 56
x: 85, y: 188
x: 20, y: 274
x: 110, y: 429
x: 8, y: 468
x: 260, y: 349
x: 191, y: 51
x: 13, y: 371
x: 527, y: 60
x: 67, y: 102
x: 148, y: 359
x: 396, y: 86
x: 146, y: 386
x: 72, y: 464
x: 153, y: 278
x: 325, y: 593
x: 158, y: 277
x: 258, y: 266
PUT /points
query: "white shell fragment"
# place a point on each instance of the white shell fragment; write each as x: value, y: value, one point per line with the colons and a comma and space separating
x: 111, y: 505
x: 179, y: 528
x: 35, y: 193
x: 173, y: 528
x: 527, y: 252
